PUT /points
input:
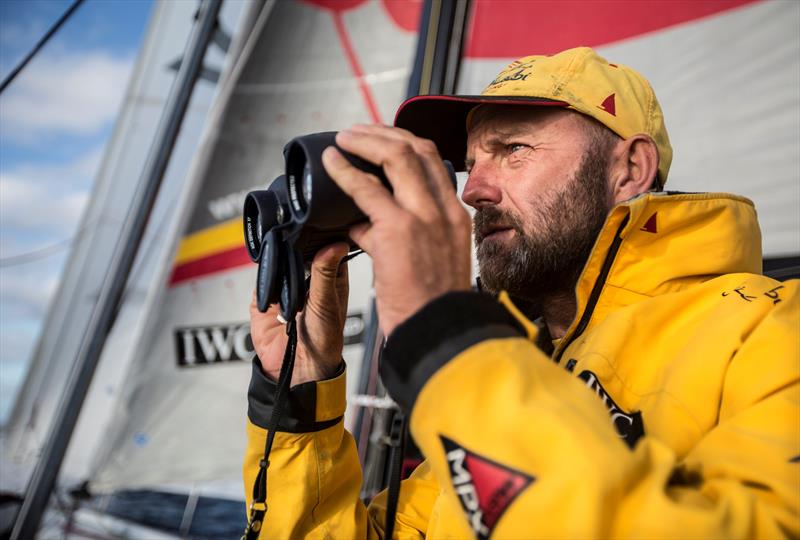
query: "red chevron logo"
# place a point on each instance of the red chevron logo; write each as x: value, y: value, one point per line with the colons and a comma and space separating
x: 651, y: 226
x: 485, y: 488
x: 609, y: 105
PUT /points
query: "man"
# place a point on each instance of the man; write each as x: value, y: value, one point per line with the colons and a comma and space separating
x: 667, y: 401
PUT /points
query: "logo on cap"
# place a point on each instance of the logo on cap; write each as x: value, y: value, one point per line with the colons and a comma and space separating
x: 609, y: 105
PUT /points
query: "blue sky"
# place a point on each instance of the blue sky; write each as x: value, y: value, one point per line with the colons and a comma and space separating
x: 55, y: 119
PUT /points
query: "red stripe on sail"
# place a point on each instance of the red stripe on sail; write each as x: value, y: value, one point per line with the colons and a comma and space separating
x: 355, y: 66
x: 512, y: 29
x: 224, y: 260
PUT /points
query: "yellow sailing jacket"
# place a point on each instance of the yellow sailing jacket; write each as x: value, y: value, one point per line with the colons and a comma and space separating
x: 671, y: 408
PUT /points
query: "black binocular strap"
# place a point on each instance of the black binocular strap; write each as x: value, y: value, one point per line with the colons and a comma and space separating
x: 397, y: 444
x: 258, y: 508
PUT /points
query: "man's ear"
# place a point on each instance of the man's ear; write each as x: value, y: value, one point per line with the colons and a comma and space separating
x: 634, y: 166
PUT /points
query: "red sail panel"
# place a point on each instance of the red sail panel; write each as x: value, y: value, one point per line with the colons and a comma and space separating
x: 512, y: 28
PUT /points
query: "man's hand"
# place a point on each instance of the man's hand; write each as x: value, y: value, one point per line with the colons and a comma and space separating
x: 419, y: 239
x: 319, y: 325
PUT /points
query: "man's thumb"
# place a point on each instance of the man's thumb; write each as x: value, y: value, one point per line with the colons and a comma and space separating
x: 324, y: 273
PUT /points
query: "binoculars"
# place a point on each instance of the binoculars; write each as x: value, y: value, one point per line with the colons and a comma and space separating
x: 300, y: 212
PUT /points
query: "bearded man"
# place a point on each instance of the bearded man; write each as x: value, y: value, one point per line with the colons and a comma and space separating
x: 658, y: 396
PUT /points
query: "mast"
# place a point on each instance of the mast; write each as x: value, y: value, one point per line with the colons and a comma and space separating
x: 436, y: 66
x: 441, y: 38
x: 44, y: 477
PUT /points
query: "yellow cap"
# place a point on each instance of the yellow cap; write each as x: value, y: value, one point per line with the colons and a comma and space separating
x: 613, y: 94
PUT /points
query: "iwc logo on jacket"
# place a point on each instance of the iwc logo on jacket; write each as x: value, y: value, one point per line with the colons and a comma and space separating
x: 484, y: 488
x: 630, y: 426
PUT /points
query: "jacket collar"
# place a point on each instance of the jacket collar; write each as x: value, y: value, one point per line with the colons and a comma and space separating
x: 659, y: 243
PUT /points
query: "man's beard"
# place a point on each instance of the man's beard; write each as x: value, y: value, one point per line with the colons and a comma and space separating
x: 546, y: 263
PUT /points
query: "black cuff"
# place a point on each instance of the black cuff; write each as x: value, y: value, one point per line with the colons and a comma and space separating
x: 436, y: 333
x: 299, y: 414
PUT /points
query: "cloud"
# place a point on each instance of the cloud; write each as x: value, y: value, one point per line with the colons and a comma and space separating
x: 45, y: 201
x: 16, y: 37
x: 64, y: 94
x: 26, y: 292
x: 40, y: 206
x: 32, y: 207
x: 22, y: 24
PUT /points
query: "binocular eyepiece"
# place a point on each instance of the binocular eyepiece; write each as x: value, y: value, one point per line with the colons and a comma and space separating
x: 301, y: 212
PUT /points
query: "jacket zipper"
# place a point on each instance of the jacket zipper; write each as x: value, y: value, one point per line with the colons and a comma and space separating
x: 596, y: 290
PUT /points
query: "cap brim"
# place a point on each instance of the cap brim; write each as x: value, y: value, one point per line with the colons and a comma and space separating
x: 443, y: 119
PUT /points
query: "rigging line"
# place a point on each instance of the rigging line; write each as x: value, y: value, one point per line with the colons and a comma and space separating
x: 47, y: 251
x: 53, y: 29
x: 35, y: 255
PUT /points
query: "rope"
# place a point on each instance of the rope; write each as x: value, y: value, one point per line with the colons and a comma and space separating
x: 53, y: 29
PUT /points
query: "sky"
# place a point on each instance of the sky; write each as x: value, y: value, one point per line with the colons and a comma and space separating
x: 55, y: 119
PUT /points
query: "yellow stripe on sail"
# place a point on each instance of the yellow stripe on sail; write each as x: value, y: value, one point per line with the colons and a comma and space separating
x: 223, y: 237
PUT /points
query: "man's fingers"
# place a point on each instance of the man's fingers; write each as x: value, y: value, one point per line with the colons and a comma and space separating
x: 402, y: 164
x: 366, y: 191
x: 441, y: 183
x: 438, y: 176
x: 263, y: 325
x: 326, y: 280
x: 325, y: 266
x: 326, y: 261
x: 360, y: 235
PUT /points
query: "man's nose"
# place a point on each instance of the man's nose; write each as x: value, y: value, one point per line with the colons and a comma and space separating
x: 481, y: 189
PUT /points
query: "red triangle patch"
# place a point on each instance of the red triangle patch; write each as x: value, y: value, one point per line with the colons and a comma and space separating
x: 609, y: 105
x: 651, y: 226
x: 485, y: 488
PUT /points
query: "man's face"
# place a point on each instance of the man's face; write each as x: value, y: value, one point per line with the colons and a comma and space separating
x: 538, y: 183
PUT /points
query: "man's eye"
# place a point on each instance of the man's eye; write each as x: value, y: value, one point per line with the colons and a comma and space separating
x: 515, y: 147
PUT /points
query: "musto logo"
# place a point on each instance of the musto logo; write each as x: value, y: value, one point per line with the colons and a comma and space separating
x: 484, y: 488
x: 213, y: 344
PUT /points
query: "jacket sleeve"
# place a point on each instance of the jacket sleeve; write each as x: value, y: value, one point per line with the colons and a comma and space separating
x: 523, y: 448
x: 314, y: 477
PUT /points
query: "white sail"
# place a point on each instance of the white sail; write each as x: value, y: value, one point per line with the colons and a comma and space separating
x: 307, y: 67
x: 726, y: 75
x: 117, y: 178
